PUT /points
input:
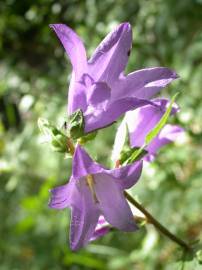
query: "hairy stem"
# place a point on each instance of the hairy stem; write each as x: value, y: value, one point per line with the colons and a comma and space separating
x: 156, y: 223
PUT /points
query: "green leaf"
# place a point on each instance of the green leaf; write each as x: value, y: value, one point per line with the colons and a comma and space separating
x: 76, y: 124
x: 154, y: 132
x: 137, y: 154
x: 130, y: 155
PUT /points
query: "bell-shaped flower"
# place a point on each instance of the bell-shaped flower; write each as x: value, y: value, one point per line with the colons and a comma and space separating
x: 141, y: 121
x: 94, y: 191
x: 98, y: 86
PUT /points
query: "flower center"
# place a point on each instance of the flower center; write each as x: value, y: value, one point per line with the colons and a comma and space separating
x: 91, y: 183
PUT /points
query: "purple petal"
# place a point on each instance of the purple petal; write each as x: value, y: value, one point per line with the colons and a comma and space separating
x: 112, y: 203
x: 167, y: 135
x: 111, y: 56
x: 101, y: 229
x: 75, y: 50
x: 102, y: 116
x: 73, y: 46
x: 98, y: 93
x: 84, y: 217
x: 76, y: 96
x: 141, y: 121
x: 144, y: 83
x: 99, y: 232
x: 102, y: 221
x: 83, y: 164
x: 127, y: 176
x: 61, y: 197
x: 78, y: 90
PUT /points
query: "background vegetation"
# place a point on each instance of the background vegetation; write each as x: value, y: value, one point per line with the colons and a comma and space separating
x: 33, y: 83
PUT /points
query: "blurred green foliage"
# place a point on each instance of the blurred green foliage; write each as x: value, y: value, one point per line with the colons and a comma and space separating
x: 33, y: 83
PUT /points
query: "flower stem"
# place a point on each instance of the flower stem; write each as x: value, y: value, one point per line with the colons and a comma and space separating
x: 156, y: 223
x: 70, y: 146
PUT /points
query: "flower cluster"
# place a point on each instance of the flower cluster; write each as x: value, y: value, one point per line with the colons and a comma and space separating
x: 101, y: 92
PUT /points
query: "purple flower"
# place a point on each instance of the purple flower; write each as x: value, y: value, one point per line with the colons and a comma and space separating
x: 141, y: 121
x: 94, y: 191
x: 98, y: 86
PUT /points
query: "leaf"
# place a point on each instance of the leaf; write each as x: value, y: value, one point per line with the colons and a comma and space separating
x: 137, y: 154
x: 88, y: 137
x: 131, y: 155
x: 155, y: 131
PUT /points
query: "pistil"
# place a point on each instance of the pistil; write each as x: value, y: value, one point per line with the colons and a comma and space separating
x: 91, y: 183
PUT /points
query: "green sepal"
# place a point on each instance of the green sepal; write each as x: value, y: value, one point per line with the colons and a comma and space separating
x: 76, y: 124
x: 57, y: 139
x: 88, y: 137
x: 58, y: 143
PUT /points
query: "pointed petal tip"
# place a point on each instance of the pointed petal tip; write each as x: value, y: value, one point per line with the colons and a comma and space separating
x: 174, y: 75
x: 125, y: 26
x: 54, y: 25
x: 59, y: 27
x: 76, y: 247
x: 131, y: 227
x: 51, y: 25
x: 73, y: 247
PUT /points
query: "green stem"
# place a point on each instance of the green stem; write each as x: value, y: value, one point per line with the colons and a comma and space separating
x: 70, y: 146
x: 155, y: 222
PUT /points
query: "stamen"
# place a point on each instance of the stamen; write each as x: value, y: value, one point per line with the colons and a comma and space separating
x: 90, y: 182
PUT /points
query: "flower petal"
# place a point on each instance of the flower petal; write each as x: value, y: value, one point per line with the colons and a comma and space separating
x: 73, y: 46
x: 98, y: 93
x: 83, y: 164
x: 144, y: 83
x: 102, y: 116
x: 61, y: 197
x: 84, y: 217
x: 99, y: 232
x: 112, y: 203
x: 141, y: 121
x: 111, y: 56
x: 76, y: 51
x: 167, y: 135
x: 76, y: 96
x: 101, y: 229
x: 127, y: 176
